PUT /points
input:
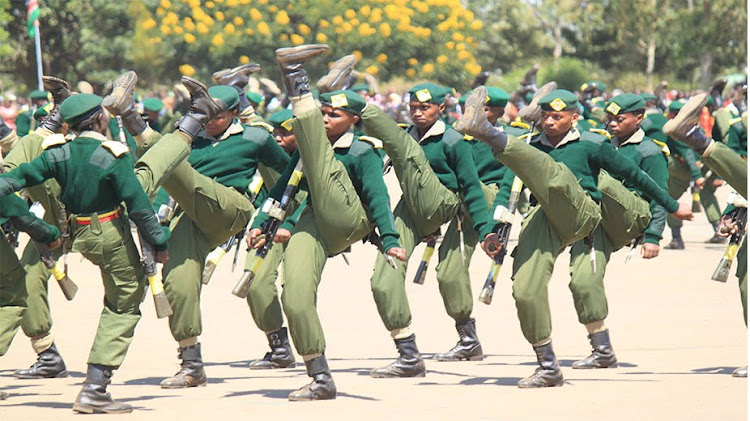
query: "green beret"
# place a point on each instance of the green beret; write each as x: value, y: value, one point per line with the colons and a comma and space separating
x: 254, y: 97
x: 497, y: 97
x: 528, y: 97
x: 43, y: 111
x: 77, y: 108
x: 359, y: 87
x: 153, y: 104
x: 625, y: 103
x: 346, y: 100
x: 282, y: 118
x: 559, y: 100
x: 428, y: 92
x: 676, y: 105
x: 226, y: 94
x: 648, y: 96
x: 37, y: 94
x: 593, y: 84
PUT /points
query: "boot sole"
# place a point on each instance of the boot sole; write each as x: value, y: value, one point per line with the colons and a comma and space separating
x: 388, y: 376
x: 60, y: 375
x: 541, y: 387
x: 474, y: 105
x: 87, y: 409
x: 340, y: 70
x: 291, y: 399
x: 273, y: 367
x: 690, y: 109
x: 530, y: 111
x: 118, y: 97
x: 295, y: 54
x: 472, y: 358
x: 594, y: 367
x: 184, y: 386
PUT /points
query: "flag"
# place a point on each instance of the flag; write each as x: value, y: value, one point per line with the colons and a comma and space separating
x: 32, y: 16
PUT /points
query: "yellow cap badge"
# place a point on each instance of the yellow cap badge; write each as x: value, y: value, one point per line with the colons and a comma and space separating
x: 423, y: 95
x: 558, y: 104
x: 339, y: 101
x: 613, y: 108
x: 287, y: 124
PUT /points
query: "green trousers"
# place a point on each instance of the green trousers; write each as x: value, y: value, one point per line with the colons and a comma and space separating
x: 37, y: 321
x: 565, y: 215
x: 263, y: 297
x: 625, y: 215
x: 425, y: 205
x: 110, y: 246
x: 679, y: 182
x: 12, y: 294
x: 335, y: 220
x: 211, y: 213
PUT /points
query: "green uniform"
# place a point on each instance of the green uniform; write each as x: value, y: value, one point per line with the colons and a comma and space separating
x: 564, y: 182
x: 683, y: 169
x: 435, y: 175
x: 211, y: 188
x: 347, y: 198
x: 737, y: 137
x: 13, y: 293
x: 96, y: 176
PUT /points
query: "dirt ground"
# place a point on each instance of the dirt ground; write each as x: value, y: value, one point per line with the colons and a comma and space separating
x: 678, y: 336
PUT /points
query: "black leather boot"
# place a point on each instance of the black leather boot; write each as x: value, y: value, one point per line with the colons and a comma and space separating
x: 740, y: 372
x: 290, y: 62
x: 191, y: 374
x: 120, y: 102
x: 684, y: 126
x: 202, y: 108
x: 237, y: 77
x: 49, y: 365
x: 408, y: 364
x: 322, y: 387
x: 59, y: 89
x: 338, y: 77
x: 281, y: 355
x: 602, y: 354
x: 676, y: 243
x: 548, y: 373
x: 468, y: 346
x: 94, y: 398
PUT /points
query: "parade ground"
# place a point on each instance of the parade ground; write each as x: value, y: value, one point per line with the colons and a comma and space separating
x: 677, y: 334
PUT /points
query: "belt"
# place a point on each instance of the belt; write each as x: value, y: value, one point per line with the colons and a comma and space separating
x: 104, y: 217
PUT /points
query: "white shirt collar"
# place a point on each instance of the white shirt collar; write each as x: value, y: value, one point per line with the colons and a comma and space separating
x: 437, y: 129
x: 345, y: 141
x: 572, y: 135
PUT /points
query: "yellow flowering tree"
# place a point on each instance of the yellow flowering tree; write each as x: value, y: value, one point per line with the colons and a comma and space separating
x: 423, y: 39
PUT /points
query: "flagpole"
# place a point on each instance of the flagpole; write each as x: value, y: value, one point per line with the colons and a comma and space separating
x: 38, y: 43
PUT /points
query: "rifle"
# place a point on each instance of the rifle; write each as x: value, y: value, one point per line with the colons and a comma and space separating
x: 60, y: 272
x: 213, y: 258
x: 633, y: 246
x: 695, y: 193
x: 163, y: 309
x: 722, y: 271
x: 277, y: 212
x: 426, y: 256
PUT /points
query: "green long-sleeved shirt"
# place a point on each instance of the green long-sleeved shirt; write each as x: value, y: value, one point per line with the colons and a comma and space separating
x: 451, y: 159
x: 233, y: 159
x: 95, y: 176
x: 652, y: 126
x: 365, y: 169
x: 586, y: 155
x: 16, y: 209
x: 737, y: 137
x: 652, y: 159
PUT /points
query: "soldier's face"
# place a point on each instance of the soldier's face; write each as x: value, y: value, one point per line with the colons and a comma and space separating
x: 494, y: 113
x: 220, y: 123
x: 424, y: 114
x: 337, y: 121
x: 285, y: 139
x: 557, y: 123
x: 624, y: 125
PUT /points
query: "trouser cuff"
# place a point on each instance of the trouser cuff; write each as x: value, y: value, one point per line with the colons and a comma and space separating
x: 401, y: 333
x: 188, y: 342
x: 41, y: 344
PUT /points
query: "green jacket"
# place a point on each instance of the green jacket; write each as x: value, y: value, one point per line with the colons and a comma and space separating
x: 737, y: 137
x: 17, y: 210
x: 451, y: 159
x: 233, y: 159
x: 95, y: 175
x: 585, y: 155
x: 365, y: 168
x: 651, y: 157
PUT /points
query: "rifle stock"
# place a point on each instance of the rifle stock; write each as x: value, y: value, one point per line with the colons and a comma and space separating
x: 419, y: 277
x: 68, y: 287
x: 721, y: 274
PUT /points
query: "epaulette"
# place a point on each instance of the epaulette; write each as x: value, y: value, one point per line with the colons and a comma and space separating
x: 468, y: 138
x: 359, y: 146
x: 53, y: 140
x: 117, y: 148
x: 403, y: 126
x: 663, y: 146
x: 262, y: 124
x: 593, y: 137
x: 520, y: 125
x: 374, y: 141
x: 601, y: 132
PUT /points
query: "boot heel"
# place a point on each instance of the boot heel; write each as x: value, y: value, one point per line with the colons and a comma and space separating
x: 476, y: 358
x: 84, y: 409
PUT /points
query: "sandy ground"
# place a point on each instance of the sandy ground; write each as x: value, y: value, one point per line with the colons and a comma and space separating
x: 678, y: 336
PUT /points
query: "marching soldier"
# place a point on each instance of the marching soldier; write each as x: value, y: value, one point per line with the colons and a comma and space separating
x: 211, y: 188
x: 347, y: 200
x: 727, y: 164
x: 561, y: 169
x: 25, y: 122
x: 438, y: 176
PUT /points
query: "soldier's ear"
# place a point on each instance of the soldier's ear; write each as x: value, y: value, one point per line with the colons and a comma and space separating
x: 441, y: 108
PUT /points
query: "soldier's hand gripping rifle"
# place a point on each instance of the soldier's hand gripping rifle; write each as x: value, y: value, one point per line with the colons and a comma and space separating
x: 277, y: 212
x: 739, y: 219
x: 148, y: 257
x: 374, y: 238
x: 213, y: 258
